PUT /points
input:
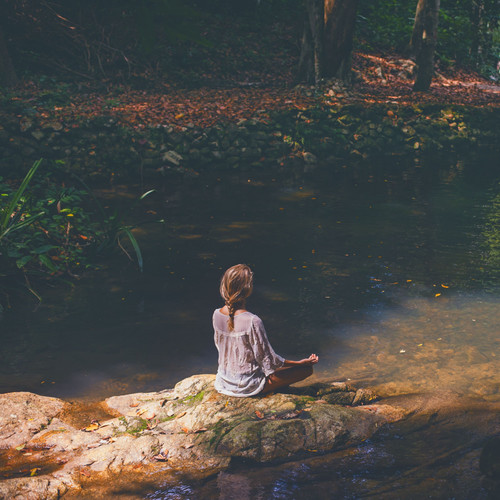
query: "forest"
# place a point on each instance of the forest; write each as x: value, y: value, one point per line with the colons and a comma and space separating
x: 84, y: 80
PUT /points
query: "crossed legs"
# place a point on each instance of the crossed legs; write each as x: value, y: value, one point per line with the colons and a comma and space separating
x: 283, y: 377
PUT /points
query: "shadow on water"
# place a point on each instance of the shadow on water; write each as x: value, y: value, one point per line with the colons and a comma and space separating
x: 389, y: 271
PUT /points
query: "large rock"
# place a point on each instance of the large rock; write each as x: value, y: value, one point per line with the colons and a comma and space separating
x: 191, y: 428
x: 23, y: 414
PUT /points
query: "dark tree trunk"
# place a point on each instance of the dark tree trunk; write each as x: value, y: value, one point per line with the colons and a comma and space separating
x: 327, y: 40
x: 477, y: 19
x: 418, y: 29
x: 428, y: 41
x: 8, y: 75
x: 340, y: 20
x: 311, y: 55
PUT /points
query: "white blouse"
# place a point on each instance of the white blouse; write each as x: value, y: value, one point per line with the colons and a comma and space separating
x: 246, y: 357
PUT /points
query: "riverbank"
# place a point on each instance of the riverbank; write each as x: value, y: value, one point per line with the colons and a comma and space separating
x: 102, y: 149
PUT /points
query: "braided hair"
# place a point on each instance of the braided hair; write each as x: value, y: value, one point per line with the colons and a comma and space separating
x: 235, y: 287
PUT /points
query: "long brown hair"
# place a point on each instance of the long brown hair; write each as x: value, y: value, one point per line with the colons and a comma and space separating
x: 235, y: 287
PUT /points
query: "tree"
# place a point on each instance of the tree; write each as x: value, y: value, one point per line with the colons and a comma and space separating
x: 423, y: 42
x: 8, y: 75
x: 327, y: 40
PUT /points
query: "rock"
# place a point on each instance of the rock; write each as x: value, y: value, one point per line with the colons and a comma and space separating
x: 172, y: 157
x: 24, y: 414
x: 35, y: 488
x: 192, y: 428
x: 489, y: 461
x: 38, y: 135
x: 309, y: 158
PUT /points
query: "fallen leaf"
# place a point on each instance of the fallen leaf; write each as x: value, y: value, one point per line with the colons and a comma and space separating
x: 149, y: 415
x: 141, y: 411
x: 181, y: 414
x: 134, y: 404
x: 188, y: 445
x: 19, y: 448
x: 185, y: 429
x: 84, y: 473
x: 201, y: 429
x: 91, y: 427
x: 259, y: 414
x: 34, y: 471
x: 161, y: 457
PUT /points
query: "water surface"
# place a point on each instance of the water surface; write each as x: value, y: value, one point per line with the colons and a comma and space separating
x: 388, y: 271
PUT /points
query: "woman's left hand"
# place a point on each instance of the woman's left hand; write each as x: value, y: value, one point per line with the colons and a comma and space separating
x: 311, y: 360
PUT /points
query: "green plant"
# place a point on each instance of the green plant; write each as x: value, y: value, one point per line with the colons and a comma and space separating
x: 12, y: 216
x: 48, y: 228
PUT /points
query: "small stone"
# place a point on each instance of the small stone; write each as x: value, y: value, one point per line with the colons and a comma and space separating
x: 38, y: 135
x: 172, y: 157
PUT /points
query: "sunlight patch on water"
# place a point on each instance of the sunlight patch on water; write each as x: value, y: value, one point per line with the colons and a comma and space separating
x: 425, y: 345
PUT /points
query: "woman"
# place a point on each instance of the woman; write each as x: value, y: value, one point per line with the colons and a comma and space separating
x: 248, y: 364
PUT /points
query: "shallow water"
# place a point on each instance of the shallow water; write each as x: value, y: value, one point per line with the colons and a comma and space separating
x: 388, y: 271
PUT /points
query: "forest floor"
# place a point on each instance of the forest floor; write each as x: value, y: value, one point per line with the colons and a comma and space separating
x: 244, y: 68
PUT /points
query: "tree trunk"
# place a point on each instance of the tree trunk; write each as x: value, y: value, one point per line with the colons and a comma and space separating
x: 428, y: 41
x: 477, y: 19
x: 340, y: 20
x: 311, y: 55
x: 8, y: 75
x: 418, y: 29
x: 327, y: 40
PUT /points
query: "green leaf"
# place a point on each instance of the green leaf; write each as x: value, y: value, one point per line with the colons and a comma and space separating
x: 20, y: 263
x: 147, y: 193
x: 137, y: 249
x: 4, y: 223
x: 47, y: 262
x: 43, y: 249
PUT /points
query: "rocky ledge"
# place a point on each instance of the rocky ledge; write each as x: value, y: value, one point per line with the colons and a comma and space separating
x: 190, y: 430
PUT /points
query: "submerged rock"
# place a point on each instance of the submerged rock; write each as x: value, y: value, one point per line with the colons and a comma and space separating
x: 191, y: 428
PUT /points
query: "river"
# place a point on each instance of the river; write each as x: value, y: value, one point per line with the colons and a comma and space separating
x: 388, y: 270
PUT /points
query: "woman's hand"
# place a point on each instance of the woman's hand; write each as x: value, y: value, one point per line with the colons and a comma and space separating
x: 311, y: 360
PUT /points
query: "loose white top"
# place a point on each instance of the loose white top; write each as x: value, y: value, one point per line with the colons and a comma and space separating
x: 246, y: 357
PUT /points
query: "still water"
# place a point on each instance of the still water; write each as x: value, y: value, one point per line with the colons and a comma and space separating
x: 388, y: 271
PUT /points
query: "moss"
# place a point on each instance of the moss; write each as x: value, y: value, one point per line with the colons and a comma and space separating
x: 137, y: 426
x: 194, y: 399
x: 302, y: 401
x: 167, y: 419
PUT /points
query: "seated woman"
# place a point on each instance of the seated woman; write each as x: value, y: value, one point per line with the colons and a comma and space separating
x: 248, y: 364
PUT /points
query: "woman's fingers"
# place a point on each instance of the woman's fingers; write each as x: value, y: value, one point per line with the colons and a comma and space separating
x: 313, y: 358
